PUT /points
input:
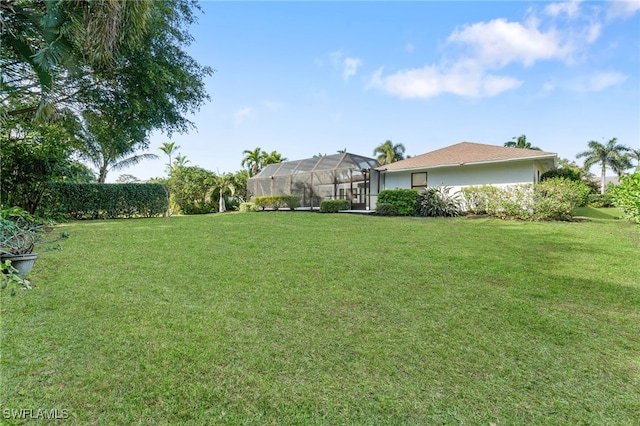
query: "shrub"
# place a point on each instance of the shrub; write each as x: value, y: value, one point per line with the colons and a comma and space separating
x: 627, y: 196
x: 555, y: 199
x: 476, y: 199
x: 600, y: 200
x: 248, y: 207
x: 405, y: 200
x: 385, y: 209
x: 563, y: 172
x: 277, y: 201
x: 437, y: 201
x: 333, y: 206
x: 104, y: 201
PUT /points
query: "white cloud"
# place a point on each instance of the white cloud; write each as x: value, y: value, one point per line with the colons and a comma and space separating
x: 431, y: 81
x: 350, y: 67
x: 570, y: 8
x: 409, y: 47
x: 498, y: 43
x: 622, y: 9
x: 603, y: 80
x: 242, y: 115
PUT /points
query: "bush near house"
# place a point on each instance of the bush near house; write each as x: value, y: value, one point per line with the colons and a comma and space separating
x: 553, y: 199
x: 436, y: 201
x: 405, y: 200
x: 248, y: 207
x: 333, y: 206
x: 385, y: 209
x: 277, y: 201
x: 627, y: 196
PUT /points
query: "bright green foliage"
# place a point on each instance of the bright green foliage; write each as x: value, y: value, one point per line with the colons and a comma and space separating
x: 627, y: 196
x: 553, y: 199
x: 276, y: 202
x: 104, y: 201
x: 556, y: 198
x: 438, y: 202
x: 190, y: 189
x: 386, y: 209
x: 334, y: 206
x: 405, y: 200
x: 248, y: 207
x: 388, y: 152
x: 562, y: 172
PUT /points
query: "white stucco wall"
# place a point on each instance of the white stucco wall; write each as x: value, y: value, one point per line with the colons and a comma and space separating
x: 456, y: 177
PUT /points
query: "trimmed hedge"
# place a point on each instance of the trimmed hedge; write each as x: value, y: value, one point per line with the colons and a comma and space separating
x: 384, y: 209
x: 334, y: 206
x: 104, y: 200
x: 405, y: 200
x: 248, y: 207
x: 277, y: 201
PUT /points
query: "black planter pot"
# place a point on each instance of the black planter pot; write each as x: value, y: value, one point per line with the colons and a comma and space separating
x: 22, y: 262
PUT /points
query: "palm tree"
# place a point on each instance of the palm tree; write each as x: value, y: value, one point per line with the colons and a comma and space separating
x: 223, y: 185
x: 635, y: 154
x: 609, y: 155
x: 253, y: 160
x: 520, y: 142
x: 273, y: 158
x: 389, y: 153
x: 169, y: 148
x: 179, y: 162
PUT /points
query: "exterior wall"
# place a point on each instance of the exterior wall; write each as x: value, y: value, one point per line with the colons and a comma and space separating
x: 457, y: 177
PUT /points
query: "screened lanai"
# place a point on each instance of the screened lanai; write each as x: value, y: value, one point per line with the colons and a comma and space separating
x: 346, y: 176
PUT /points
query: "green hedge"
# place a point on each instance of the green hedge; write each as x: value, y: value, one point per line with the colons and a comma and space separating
x: 104, y: 201
x: 384, y: 209
x: 277, y: 201
x: 405, y: 200
x: 248, y: 207
x: 334, y: 206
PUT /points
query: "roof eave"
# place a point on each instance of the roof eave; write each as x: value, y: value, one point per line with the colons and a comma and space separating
x: 439, y: 166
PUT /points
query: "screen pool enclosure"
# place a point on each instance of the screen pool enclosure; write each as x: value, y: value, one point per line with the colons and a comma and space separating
x: 338, y: 176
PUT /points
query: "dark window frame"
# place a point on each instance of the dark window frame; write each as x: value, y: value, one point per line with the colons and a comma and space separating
x: 426, y: 180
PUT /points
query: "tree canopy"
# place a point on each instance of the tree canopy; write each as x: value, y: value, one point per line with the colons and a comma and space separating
x: 388, y: 152
x: 521, y: 142
x: 611, y: 154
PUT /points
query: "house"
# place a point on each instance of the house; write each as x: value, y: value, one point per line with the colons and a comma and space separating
x: 466, y: 164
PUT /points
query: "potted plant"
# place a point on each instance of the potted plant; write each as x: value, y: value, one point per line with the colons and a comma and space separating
x: 18, y: 238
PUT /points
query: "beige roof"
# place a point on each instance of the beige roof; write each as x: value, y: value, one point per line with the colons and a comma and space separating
x: 466, y: 153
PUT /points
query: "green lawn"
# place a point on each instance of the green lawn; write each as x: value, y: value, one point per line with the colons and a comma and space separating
x: 303, y: 318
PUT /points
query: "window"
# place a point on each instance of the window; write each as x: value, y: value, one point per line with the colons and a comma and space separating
x: 419, y: 180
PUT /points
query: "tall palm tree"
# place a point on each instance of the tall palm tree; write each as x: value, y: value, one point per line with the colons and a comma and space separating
x: 388, y: 152
x: 169, y: 148
x: 609, y: 155
x: 223, y: 185
x: 253, y: 160
x: 520, y: 142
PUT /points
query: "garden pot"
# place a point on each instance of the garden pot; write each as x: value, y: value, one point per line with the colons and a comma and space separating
x: 22, y: 262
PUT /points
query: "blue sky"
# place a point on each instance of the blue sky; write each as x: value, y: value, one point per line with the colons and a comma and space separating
x: 303, y: 78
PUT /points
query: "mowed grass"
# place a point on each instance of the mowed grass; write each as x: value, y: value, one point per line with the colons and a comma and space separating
x: 303, y: 318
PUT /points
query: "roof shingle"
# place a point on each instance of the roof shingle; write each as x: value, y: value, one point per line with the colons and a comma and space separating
x: 466, y: 153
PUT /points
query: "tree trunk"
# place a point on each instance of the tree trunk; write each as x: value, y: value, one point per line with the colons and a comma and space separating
x: 222, y: 207
x: 604, y: 170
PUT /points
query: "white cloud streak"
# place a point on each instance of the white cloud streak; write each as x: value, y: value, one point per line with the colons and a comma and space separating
x: 241, y: 115
x: 481, y: 49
